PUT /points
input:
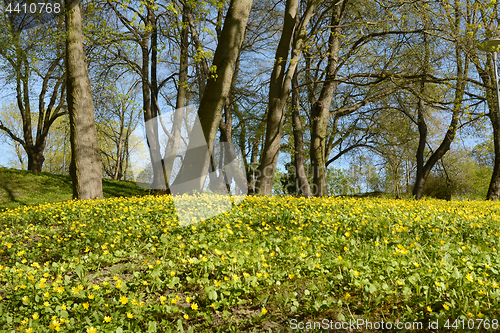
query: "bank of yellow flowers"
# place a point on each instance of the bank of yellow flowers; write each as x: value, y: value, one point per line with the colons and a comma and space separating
x: 126, y: 265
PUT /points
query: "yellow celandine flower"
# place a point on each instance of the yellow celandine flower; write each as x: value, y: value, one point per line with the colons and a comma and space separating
x: 124, y: 300
x: 107, y: 319
x: 35, y: 316
x: 63, y: 307
x: 55, y: 325
x: 186, y: 316
x: 194, y: 306
x: 347, y: 295
x: 91, y: 296
x: 264, y: 311
x: 29, y: 330
x: 91, y: 330
x: 446, y: 307
x: 188, y: 299
x: 25, y: 298
x: 130, y: 315
x: 46, y: 303
x: 86, y: 305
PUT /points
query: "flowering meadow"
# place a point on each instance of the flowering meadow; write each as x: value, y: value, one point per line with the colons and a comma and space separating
x: 126, y: 265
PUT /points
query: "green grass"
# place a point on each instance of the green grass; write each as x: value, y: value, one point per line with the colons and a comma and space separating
x: 26, y: 188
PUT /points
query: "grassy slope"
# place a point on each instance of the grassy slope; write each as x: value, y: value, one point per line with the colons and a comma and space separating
x: 26, y: 188
x: 255, y: 268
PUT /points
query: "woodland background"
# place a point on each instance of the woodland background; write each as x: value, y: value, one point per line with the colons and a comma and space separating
x: 332, y: 97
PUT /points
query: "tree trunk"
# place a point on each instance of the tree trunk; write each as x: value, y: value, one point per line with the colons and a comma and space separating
x: 150, y: 112
x: 35, y: 158
x: 422, y: 172
x: 119, y: 152
x: 418, y: 188
x: 320, y: 112
x: 47, y: 114
x: 196, y: 162
x: 85, y: 159
x: 462, y: 74
x: 279, y: 89
x: 494, y: 187
x: 175, y: 139
x: 303, y: 183
x: 227, y: 141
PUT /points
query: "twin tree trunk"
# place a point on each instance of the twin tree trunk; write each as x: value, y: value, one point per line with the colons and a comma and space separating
x: 196, y: 162
x: 279, y: 89
x: 85, y: 167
